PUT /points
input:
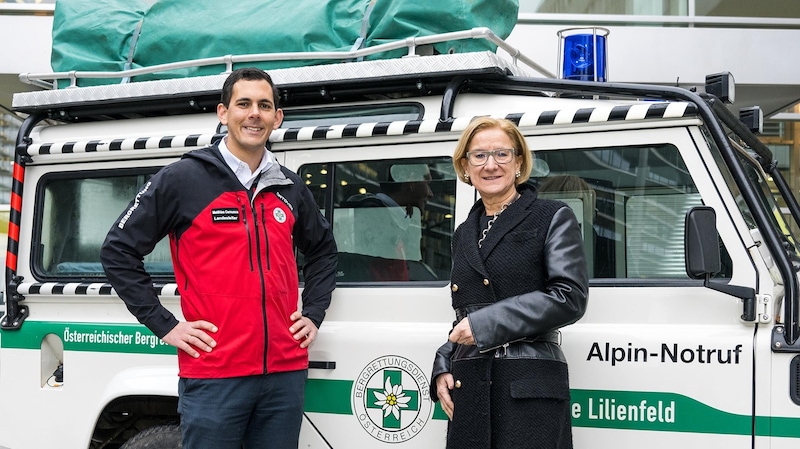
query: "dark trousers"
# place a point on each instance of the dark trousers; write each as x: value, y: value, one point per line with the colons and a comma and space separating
x: 242, y: 412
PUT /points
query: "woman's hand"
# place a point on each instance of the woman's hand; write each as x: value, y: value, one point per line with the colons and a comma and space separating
x: 444, y: 384
x: 462, y: 333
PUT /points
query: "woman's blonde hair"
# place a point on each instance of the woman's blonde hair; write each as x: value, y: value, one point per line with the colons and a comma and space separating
x: 483, y: 123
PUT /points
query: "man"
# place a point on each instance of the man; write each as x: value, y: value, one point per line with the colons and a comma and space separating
x: 234, y: 217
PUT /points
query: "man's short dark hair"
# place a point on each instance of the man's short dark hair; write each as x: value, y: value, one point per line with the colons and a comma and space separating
x: 249, y: 74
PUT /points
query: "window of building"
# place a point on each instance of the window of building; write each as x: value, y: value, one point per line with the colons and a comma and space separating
x: 656, y: 7
x: 747, y: 8
x: 700, y: 8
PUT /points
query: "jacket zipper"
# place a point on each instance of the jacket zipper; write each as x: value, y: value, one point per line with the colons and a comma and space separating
x: 178, y: 262
x: 261, y: 277
x: 266, y: 236
x: 249, y: 239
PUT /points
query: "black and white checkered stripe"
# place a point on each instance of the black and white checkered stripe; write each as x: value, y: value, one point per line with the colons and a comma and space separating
x: 84, y: 288
x: 140, y: 143
x: 641, y: 111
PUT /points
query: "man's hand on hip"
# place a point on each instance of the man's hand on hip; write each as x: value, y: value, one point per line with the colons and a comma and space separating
x: 191, y: 336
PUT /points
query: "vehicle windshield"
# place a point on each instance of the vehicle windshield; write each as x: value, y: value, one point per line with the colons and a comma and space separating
x: 771, y: 199
x: 766, y: 193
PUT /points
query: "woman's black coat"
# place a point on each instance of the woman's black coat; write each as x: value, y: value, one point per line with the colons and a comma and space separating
x: 528, y: 280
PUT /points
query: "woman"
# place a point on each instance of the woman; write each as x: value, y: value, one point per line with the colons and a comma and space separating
x: 519, y: 274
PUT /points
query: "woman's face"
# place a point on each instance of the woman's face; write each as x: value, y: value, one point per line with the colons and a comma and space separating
x: 492, y: 180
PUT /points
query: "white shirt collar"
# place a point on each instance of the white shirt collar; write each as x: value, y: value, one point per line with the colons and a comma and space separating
x: 240, y: 168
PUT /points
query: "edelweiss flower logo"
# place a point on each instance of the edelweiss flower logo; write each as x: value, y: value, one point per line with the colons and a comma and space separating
x: 392, y: 399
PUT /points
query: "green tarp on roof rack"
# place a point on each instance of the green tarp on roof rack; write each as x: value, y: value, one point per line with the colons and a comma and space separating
x: 113, y: 35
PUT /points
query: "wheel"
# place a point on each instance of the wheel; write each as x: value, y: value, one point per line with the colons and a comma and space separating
x: 158, y: 437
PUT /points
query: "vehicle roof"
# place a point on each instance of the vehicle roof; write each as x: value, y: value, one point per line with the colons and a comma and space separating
x: 321, y: 84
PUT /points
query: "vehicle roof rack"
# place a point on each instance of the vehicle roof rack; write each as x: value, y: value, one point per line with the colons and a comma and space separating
x: 49, y: 80
x: 411, y: 74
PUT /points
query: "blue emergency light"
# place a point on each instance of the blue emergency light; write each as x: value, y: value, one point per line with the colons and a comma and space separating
x: 582, y: 54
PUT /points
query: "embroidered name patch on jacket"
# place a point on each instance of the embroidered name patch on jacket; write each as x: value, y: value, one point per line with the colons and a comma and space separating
x: 225, y: 215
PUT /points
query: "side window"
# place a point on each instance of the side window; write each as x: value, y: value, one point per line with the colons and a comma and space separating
x: 392, y: 219
x: 75, y: 211
x: 631, y: 203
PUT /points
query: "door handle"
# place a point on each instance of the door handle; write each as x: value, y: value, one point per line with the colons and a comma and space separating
x: 316, y: 364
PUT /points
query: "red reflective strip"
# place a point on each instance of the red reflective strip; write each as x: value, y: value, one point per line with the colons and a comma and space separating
x: 13, y: 231
x: 19, y: 172
x: 11, y: 261
x: 16, y: 202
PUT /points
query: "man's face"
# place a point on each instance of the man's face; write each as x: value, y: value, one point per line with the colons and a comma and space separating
x: 250, y: 117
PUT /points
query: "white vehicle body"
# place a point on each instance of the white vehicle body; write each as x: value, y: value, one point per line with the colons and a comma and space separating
x: 660, y: 359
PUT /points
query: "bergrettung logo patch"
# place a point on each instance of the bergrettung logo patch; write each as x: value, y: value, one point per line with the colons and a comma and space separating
x: 391, y: 399
x: 279, y: 215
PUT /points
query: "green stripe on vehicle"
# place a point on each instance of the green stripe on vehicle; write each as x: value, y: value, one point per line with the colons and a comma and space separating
x: 329, y: 396
x: 777, y: 426
x: 669, y: 412
x: 90, y: 337
x: 335, y: 396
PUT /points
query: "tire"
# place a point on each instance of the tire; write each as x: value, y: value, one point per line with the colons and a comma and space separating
x: 158, y: 437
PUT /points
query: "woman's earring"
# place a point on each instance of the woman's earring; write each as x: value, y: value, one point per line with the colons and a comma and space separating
x: 517, y: 173
x: 466, y: 176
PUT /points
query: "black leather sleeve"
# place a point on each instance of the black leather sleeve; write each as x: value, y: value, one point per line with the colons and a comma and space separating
x: 562, y: 302
x: 441, y: 364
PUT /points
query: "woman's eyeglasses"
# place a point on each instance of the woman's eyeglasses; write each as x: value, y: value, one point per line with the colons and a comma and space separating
x: 501, y: 156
